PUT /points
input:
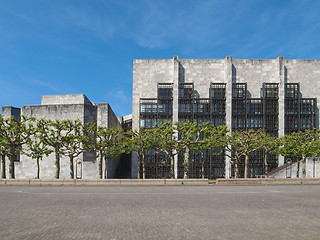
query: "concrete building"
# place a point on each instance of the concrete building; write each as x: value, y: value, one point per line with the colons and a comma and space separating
x: 279, y: 95
x: 59, y: 107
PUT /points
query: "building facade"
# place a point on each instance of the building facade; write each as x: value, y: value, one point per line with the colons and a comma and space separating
x: 61, y: 107
x: 278, y: 95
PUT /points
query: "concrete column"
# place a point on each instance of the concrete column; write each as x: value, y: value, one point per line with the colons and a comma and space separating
x: 280, y: 72
x: 228, y: 80
x: 175, y: 78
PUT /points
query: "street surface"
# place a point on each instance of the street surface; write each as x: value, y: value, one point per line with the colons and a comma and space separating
x: 160, y: 212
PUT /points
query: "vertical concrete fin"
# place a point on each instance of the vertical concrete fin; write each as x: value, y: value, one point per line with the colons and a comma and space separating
x: 228, y: 79
x: 175, y: 94
x: 280, y: 70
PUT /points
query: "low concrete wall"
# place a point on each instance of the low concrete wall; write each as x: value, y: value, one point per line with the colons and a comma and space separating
x: 102, y: 182
x: 268, y: 181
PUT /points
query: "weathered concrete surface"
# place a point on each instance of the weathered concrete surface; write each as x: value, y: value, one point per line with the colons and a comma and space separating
x: 147, y: 73
x: 198, y: 212
x: 311, y: 166
x: 62, y: 107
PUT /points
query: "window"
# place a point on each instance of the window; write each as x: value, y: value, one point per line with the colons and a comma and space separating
x: 307, y: 106
x: 148, y: 108
x: 291, y: 106
x: 165, y: 108
x: 239, y: 90
x: 307, y: 122
x: 254, y: 106
x: 271, y: 122
x: 218, y: 107
x: 238, y: 107
x: 218, y: 121
x: 202, y: 108
x: 239, y: 122
x: 218, y: 90
x: 292, y: 90
x: 270, y: 90
x: 185, y: 107
x: 271, y: 106
x: 254, y: 122
x: 185, y: 90
x: 291, y: 122
x: 165, y: 93
x: 148, y: 122
x: 185, y: 93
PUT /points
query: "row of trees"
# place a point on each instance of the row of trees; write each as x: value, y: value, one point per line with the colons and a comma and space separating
x: 37, y: 138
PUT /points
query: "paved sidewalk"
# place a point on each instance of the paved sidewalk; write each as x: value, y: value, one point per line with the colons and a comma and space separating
x: 160, y: 212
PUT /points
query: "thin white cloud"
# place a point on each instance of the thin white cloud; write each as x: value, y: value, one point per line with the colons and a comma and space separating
x: 98, y: 24
x: 43, y: 84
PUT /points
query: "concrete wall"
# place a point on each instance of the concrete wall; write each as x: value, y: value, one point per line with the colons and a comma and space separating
x: 307, y: 73
x: 312, y: 166
x: 26, y: 168
x: 65, y: 99
x: 8, y: 111
x: 61, y: 107
x: 255, y: 72
x: 202, y: 72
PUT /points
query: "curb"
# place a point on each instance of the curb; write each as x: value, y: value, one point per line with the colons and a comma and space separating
x: 103, y: 182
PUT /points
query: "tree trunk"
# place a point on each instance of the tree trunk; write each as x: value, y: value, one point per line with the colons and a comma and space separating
x: 236, y: 168
x: 139, y: 162
x: 304, y: 167
x: 265, y: 163
x: 105, y: 167
x: 3, y: 165
x: 246, y: 160
x: 11, y: 163
x: 202, y: 163
x: 143, y: 166
x: 172, y: 165
x: 298, y: 168
x: 38, y: 168
x: 71, y: 167
x: 100, y: 166
x: 186, y: 163
x: 57, y: 163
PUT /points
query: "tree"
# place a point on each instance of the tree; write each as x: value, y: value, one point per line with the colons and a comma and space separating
x: 14, y: 134
x: 73, y: 144
x: 142, y: 141
x: 2, y: 148
x: 53, y: 134
x: 36, y: 149
x: 240, y: 144
x: 165, y: 140
x: 194, y: 137
x: 108, y: 143
x: 213, y: 139
x: 299, y: 145
x: 188, y: 137
x: 270, y: 145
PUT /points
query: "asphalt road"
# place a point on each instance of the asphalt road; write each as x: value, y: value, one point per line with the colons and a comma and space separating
x: 162, y: 212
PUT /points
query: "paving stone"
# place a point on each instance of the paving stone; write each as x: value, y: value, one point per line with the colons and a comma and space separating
x: 160, y: 212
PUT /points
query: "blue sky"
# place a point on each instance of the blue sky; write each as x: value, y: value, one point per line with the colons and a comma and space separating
x: 77, y: 46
